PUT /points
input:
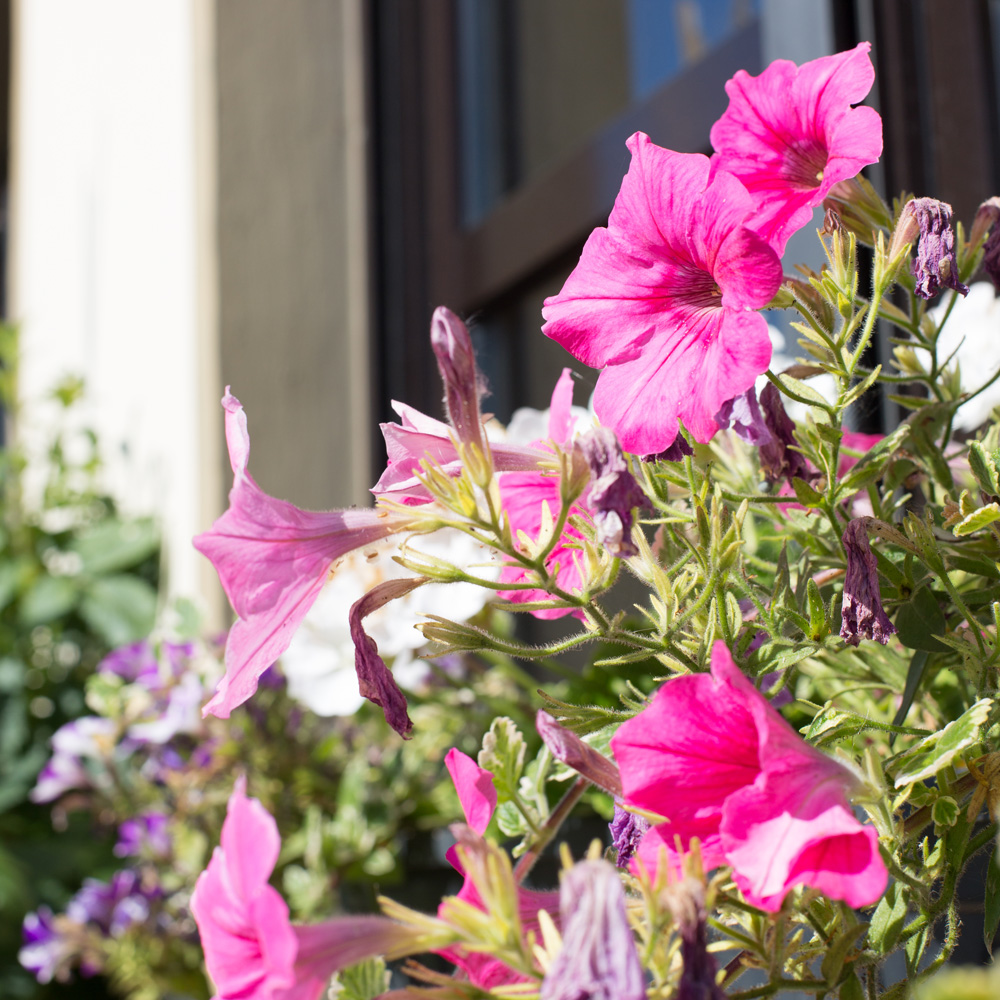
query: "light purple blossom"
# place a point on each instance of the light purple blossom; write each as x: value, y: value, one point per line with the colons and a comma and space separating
x: 742, y: 414
x: 88, y: 738
x: 598, y: 959
x: 145, y: 835
x: 45, y: 951
x: 112, y: 907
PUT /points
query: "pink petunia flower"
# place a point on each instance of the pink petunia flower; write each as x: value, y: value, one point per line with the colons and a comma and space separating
x: 713, y: 757
x: 791, y: 133
x: 478, y: 798
x: 664, y: 300
x: 251, y: 948
x: 524, y: 496
x: 273, y: 559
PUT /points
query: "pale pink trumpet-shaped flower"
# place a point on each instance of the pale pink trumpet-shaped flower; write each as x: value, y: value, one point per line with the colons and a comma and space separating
x: 273, y: 559
x: 713, y: 757
x: 664, y: 300
x: 791, y: 133
x: 252, y: 951
x: 524, y: 495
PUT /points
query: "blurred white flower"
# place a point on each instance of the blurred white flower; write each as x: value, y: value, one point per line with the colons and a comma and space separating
x: 319, y: 663
x: 973, y: 333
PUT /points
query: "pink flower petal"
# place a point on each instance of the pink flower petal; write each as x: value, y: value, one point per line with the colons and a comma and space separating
x: 476, y: 792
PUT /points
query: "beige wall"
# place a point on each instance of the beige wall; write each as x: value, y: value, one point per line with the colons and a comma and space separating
x: 291, y: 252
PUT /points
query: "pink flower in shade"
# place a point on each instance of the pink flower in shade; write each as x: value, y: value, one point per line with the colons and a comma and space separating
x: 791, y: 133
x: 523, y: 495
x: 252, y: 951
x: 713, y: 757
x: 663, y: 300
x: 478, y: 798
x: 273, y: 559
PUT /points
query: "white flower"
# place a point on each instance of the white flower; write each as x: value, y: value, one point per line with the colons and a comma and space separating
x: 973, y: 333
x: 319, y: 662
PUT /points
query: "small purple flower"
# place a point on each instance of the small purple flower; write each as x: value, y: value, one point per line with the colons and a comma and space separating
x: 862, y: 614
x: 145, y: 835
x: 779, y: 458
x: 934, y: 266
x: 178, y: 711
x: 598, y: 959
x: 742, y: 414
x: 627, y: 829
x: 45, y: 950
x: 90, y: 737
x: 613, y: 493
x: 112, y: 907
x: 135, y: 663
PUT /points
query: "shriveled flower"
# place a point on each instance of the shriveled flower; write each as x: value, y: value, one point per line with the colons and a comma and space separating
x: 273, y: 559
x: 613, y: 494
x: 779, y: 457
x: 251, y: 948
x: 793, y: 132
x: 713, y: 757
x: 985, y: 225
x: 862, y: 614
x: 598, y: 959
x: 627, y: 830
x: 568, y: 748
x: 742, y: 414
x: 934, y: 265
x: 664, y: 300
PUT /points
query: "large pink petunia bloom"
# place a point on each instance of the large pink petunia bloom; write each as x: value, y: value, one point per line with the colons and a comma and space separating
x: 251, y: 948
x: 273, y: 559
x: 664, y: 300
x: 524, y: 494
x: 791, y: 133
x: 711, y: 755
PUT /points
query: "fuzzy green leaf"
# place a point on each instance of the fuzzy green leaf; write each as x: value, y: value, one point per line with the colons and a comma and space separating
x: 937, y: 751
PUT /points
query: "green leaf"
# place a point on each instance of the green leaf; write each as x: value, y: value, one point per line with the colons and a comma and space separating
x: 112, y: 545
x: 984, y: 468
x: 937, y: 751
x: 871, y: 465
x: 805, y: 494
x: 582, y: 719
x: 50, y: 598
x: 914, y: 675
x: 914, y: 950
x: 991, y: 901
x: 888, y: 919
x: 919, y: 620
x: 945, y: 811
x: 977, y: 520
x: 836, y: 952
x: 858, y: 390
x: 9, y: 575
x: 120, y: 609
x: 364, y: 981
x: 800, y: 391
x: 503, y: 756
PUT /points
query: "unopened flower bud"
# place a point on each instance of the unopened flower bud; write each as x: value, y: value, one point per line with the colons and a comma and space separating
x: 598, y: 959
x: 463, y: 384
x: 862, y: 615
x: 568, y: 748
x: 985, y: 226
x: 935, y: 266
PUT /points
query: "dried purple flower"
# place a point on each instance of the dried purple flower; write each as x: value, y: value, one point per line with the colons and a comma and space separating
x: 598, y: 959
x: 567, y: 747
x: 862, y: 614
x: 779, y: 458
x: 742, y: 414
x: 934, y: 266
x: 375, y: 680
x: 686, y: 900
x: 627, y: 829
x: 677, y: 451
x: 614, y: 493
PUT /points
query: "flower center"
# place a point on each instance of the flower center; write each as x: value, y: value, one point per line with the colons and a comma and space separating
x: 804, y: 164
x: 701, y: 290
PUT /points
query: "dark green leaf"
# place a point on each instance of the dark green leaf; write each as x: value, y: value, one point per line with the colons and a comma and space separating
x: 919, y: 620
x: 51, y: 597
x: 120, y: 609
x: 991, y: 902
